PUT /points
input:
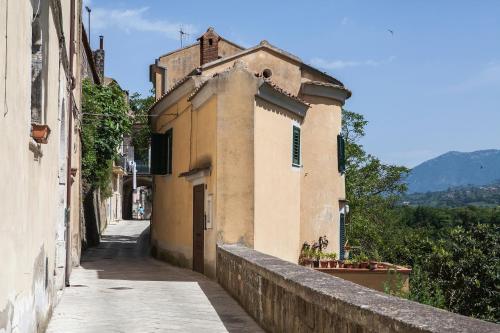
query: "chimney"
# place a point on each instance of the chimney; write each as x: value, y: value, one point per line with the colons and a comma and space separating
x: 99, y: 59
x: 209, y: 46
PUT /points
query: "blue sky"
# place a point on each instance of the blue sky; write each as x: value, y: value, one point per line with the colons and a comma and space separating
x: 430, y: 87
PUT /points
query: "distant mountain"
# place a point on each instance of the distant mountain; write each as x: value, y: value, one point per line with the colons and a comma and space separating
x: 454, y: 169
x: 470, y: 195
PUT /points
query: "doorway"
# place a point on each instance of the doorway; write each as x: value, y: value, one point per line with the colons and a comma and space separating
x: 198, y: 227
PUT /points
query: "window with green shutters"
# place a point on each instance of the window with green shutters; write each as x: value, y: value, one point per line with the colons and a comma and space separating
x: 169, y: 135
x: 161, y: 153
x: 296, y: 146
x: 341, y: 153
x: 342, y: 236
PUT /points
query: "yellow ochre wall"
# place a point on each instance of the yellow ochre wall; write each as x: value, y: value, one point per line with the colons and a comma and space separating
x: 235, y: 157
x: 172, y: 213
x: 322, y: 186
x: 193, y: 146
x: 277, y: 183
x: 286, y: 74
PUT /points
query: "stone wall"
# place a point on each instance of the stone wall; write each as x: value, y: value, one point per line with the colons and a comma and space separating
x: 284, y: 297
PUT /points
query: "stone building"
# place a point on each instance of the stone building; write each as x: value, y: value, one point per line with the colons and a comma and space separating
x: 40, y: 229
x: 245, y: 151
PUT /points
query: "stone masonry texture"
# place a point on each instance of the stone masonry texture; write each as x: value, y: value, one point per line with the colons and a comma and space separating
x: 119, y: 288
x: 285, y: 297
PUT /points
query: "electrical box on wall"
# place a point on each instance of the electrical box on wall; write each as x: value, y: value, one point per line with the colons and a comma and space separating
x: 209, y: 212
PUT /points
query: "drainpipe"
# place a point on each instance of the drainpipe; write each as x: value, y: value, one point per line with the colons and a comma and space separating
x: 70, y: 130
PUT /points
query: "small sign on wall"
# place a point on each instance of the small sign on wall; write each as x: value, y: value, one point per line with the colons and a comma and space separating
x: 209, y: 212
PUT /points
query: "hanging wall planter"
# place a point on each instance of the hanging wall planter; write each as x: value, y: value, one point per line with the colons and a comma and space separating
x: 40, y: 133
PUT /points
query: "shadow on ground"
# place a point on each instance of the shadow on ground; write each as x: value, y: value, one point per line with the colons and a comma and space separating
x: 127, y: 257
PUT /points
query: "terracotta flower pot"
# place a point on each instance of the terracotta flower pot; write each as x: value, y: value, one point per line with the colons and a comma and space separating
x: 348, y: 265
x: 332, y: 263
x: 323, y: 263
x: 340, y: 264
x: 373, y: 265
x: 355, y: 265
x: 40, y: 133
x: 363, y: 264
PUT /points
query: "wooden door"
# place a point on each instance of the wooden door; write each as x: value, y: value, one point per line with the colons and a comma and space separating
x: 198, y: 227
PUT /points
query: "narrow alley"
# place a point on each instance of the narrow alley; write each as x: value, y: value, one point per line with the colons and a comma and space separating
x: 118, y: 288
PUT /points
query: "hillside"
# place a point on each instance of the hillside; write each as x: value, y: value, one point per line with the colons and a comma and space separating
x: 486, y: 195
x: 454, y: 169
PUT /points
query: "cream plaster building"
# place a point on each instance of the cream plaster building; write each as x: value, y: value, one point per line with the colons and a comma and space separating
x: 41, y: 56
x: 244, y: 151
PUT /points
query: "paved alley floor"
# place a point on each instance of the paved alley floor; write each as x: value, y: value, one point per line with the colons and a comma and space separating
x: 118, y: 288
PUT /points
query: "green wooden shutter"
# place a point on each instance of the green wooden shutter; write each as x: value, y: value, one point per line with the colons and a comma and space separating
x: 158, y: 154
x: 342, y: 236
x: 169, y: 138
x: 296, y: 146
x: 341, y: 153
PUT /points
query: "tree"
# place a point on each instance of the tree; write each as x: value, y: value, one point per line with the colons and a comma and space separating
x: 141, y: 132
x: 105, y: 121
x: 372, y: 187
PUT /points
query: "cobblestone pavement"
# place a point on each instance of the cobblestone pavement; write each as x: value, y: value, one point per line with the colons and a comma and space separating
x: 118, y: 288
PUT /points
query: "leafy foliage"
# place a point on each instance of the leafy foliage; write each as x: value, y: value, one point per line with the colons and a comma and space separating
x: 454, y: 252
x: 141, y: 132
x: 105, y: 121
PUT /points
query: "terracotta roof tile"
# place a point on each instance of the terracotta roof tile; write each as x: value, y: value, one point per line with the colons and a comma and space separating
x: 281, y: 90
x: 175, y: 86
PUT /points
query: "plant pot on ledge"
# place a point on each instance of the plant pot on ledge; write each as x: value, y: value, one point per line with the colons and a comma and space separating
x: 40, y: 133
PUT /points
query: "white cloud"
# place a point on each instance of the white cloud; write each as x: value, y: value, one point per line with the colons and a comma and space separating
x: 136, y: 19
x: 340, y: 64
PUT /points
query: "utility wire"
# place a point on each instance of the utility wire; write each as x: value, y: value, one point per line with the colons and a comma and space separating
x: 138, y: 116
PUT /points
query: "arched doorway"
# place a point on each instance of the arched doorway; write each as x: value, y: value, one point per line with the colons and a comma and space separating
x: 144, y: 188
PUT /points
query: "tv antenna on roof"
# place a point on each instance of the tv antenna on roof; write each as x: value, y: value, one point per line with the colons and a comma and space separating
x: 182, y: 35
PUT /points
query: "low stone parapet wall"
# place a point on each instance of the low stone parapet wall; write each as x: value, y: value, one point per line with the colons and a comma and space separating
x: 285, y: 297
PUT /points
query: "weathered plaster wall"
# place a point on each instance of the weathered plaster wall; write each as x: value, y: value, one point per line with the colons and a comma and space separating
x: 277, y: 183
x: 194, y: 146
x: 203, y: 154
x: 180, y: 63
x: 322, y: 186
x: 31, y: 201
x: 172, y: 224
x: 235, y: 156
x: 226, y: 49
x: 285, y: 297
x: 284, y: 73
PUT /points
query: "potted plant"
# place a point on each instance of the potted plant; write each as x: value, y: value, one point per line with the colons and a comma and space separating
x: 40, y: 133
x: 305, y: 255
x: 332, y: 259
x: 355, y: 262
x: 323, y: 260
x: 374, y: 262
x: 363, y: 261
x: 348, y: 263
x: 315, y: 254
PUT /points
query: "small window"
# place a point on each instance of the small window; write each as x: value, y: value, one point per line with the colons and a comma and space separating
x: 210, y: 41
x: 296, y: 146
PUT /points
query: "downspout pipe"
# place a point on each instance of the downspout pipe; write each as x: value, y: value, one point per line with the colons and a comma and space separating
x: 70, y: 144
